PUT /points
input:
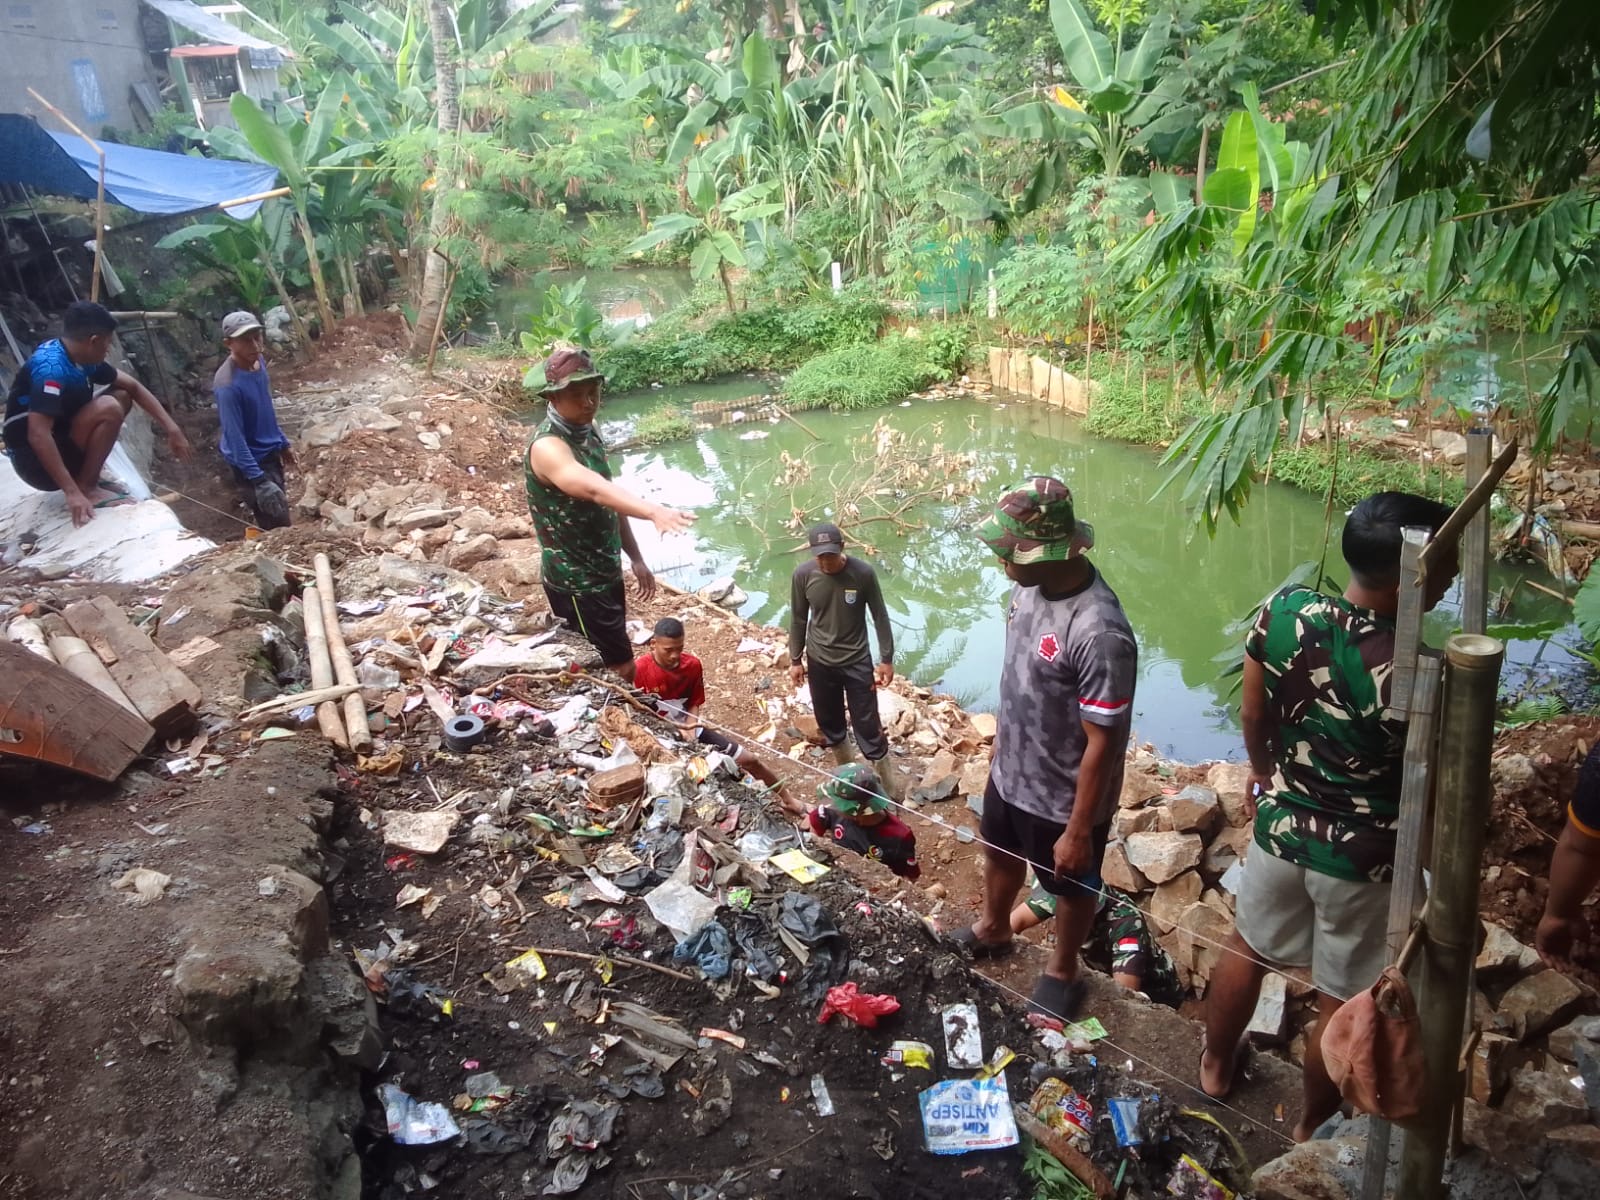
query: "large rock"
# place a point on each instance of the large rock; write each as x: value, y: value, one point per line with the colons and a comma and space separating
x: 1448, y: 445
x: 1539, y: 1101
x: 1227, y: 780
x: 1173, y: 898
x: 892, y: 706
x: 525, y: 571
x: 350, y: 1027
x: 424, y: 518
x: 508, y: 658
x: 1195, y: 809
x: 238, y: 991
x: 1163, y: 856
x: 983, y: 724
x: 1565, y: 1042
x: 1502, y: 953
x: 476, y: 520
x: 942, y: 767
x: 1138, y: 790
x: 1490, y: 1069
x: 1118, y: 872
x: 975, y: 775
x: 1227, y: 848
x: 308, y: 908
x: 1323, y: 1169
x: 1271, y: 1008
x: 477, y: 549
x: 1541, y: 1002
x: 1508, y: 771
x: 1203, y: 930
x: 361, y: 416
x: 1135, y: 820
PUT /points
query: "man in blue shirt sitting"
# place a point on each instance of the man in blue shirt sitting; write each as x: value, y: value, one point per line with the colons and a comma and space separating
x: 252, y: 442
x: 59, y: 431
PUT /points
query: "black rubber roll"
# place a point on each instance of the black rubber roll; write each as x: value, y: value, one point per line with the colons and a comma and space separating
x: 463, y: 733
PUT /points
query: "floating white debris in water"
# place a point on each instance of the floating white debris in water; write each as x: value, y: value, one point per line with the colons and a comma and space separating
x: 905, y: 404
x: 755, y: 435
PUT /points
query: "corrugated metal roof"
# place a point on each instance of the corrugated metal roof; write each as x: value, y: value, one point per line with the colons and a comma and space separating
x: 196, y: 20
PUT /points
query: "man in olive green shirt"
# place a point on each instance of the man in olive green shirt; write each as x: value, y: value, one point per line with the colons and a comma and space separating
x: 577, y: 513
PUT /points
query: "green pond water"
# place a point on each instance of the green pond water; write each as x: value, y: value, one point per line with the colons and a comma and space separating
x: 945, y: 594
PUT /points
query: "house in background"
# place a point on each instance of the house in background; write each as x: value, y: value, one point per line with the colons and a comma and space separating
x: 115, y: 63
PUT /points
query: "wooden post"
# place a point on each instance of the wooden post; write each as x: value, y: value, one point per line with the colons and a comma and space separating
x: 1475, y: 543
x: 1471, y: 682
x: 1408, y: 621
x: 100, y: 195
x: 321, y: 667
x: 1406, y: 897
x: 344, y: 669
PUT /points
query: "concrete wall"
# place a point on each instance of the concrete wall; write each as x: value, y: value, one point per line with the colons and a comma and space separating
x: 1020, y: 371
x: 83, y: 56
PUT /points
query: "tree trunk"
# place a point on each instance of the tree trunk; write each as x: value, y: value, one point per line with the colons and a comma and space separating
x: 727, y: 288
x: 288, y: 302
x: 324, y: 308
x: 436, y: 273
x: 1200, y: 164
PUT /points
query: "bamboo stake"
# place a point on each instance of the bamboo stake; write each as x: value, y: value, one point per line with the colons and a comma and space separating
x: 788, y: 416
x: 1466, y: 735
x: 100, y: 194
x: 1447, y: 533
x: 74, y: 654
x: 1475, y: 543
x: 344, y: 670
x: 321, y: 670
x: 253, y: 198
x: 283, y: 703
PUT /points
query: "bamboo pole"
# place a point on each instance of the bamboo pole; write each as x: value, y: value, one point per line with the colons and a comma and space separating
x: 100, y: 194
x: 344, y: 669
x: 74, y: 654
x: 1406, y: 897
x: 253, y: 198
x: 1408, y: 621
x: 25, y: 632
x: 1466, y: 737
x: 283, y: 703
x: 1470, y: 504
x: 1475, y: 543
x: 321, y: 669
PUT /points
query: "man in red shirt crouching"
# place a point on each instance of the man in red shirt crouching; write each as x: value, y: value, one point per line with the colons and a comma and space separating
x: 676, y: 678
x: 855, y: 813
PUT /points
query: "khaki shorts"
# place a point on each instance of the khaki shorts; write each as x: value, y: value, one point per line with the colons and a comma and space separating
x: 1295, y: 917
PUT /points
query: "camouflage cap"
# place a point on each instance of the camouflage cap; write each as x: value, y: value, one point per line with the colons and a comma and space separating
x: 1032, y: 523
x: 567, y: 366
x: 854, y: 787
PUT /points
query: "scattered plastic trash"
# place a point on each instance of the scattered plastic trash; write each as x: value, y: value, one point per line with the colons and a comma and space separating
x: 1002, y: 1058
x: 519, y: 972
x: 757, y: 847
x: 484, y: 1092
x: 419, y: 832
x: 411, y: 894
x: 909, y: 1054
x: 1124, y: 1112
x: 1190, y: 1179
x: 273, y: 733
x: 146, y: 885
x: 963, y: 1115
x: 798, y: 867
x: 861, y: 1007
x: 414, y: 1122
x: 722, y: 1035
x: 1060, y: 1108
x: 709, y: 948
x: 963, y: 1038
x: 819, y: 1093
x: 677, y: 903
x: 36, y: 828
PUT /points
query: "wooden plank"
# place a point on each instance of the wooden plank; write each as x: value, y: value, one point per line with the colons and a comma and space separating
x: 1064, y: 1153
x: 64, y: 721
x: 1411, y: 844
x: 1475, y: 543
x: 164, y: 695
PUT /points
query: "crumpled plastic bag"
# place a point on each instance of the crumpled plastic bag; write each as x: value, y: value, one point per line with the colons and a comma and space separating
x: 709, y: 948
x: 760, y: 947
x: 864, y: 1008
x: 808, y: 921
x: 414, y: 1122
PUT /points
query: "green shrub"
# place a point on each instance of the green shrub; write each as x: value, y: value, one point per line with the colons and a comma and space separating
x: 1132, y: 412
x: 1360, y: 473
x: 855, y: 377
x: 770, y: 337
x: 665, y: 424
x: 949, y: 346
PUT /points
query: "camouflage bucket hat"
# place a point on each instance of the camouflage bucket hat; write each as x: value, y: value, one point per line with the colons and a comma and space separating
x: 565, y: 367
x: 1032, y: 523
x: 853, y: 787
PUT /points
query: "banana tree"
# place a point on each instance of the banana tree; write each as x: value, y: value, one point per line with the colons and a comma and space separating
x: 720, y: 233
x: 250, y: 251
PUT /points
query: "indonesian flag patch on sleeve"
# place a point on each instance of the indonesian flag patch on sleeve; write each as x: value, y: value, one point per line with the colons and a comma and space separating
x: 50, y: 388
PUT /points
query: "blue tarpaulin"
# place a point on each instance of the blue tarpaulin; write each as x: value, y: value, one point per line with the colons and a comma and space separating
x: 147, y: 181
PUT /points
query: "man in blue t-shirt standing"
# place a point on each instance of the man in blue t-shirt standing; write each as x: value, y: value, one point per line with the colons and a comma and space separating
x: 59, y: 431
x: 252, y: 442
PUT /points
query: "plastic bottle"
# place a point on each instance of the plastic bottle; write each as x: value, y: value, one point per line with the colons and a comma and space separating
x: 819, y: 1093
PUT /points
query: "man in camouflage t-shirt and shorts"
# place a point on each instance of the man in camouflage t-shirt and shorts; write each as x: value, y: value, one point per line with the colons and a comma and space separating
x: 1325, y: 765
x: 1066, y: 701
x: 578, y: 513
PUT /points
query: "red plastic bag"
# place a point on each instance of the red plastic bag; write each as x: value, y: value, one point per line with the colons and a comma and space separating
x: 861, y: 1007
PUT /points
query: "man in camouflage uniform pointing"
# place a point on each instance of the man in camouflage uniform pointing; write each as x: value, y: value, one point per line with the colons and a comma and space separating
x: 1325, y: 765
x: 581, y: 516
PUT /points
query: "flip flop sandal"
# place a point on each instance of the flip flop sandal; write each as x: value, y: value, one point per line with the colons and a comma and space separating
x: 114, y: 501
x: 1241, y: 1059
x: 968, y: 941
x: 1057, y: 998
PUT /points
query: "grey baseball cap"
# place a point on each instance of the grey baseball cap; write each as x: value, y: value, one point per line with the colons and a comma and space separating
x: 236, y: 323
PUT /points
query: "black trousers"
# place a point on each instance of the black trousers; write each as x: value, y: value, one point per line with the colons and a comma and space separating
x: 834, y: 687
